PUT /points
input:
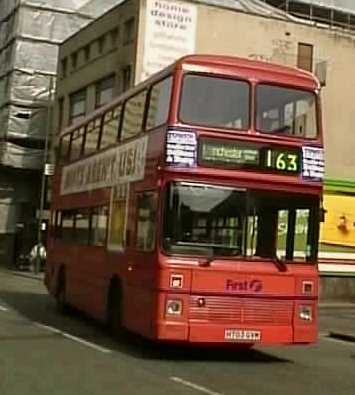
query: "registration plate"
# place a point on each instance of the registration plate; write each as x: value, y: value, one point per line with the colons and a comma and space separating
x: 240, y: 334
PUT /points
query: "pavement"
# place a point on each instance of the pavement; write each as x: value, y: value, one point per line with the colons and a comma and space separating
x: 28, y: 274
x: 336, y: 318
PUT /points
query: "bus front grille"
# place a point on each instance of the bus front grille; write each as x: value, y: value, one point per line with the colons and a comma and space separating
x: 241, y: 310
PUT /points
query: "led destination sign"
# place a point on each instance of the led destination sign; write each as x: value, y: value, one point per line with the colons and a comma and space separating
x: 237, y: 155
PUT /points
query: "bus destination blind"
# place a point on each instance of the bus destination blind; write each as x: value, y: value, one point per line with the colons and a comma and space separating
x: 244, y: 155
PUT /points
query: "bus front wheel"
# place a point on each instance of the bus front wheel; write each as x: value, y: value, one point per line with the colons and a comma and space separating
x: 60, y: 297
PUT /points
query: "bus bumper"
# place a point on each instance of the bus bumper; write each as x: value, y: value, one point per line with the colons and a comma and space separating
x: 216, y: 333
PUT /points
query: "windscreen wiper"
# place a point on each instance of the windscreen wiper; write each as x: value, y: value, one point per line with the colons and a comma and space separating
x: 209, y: 258
x: 282, y: 129
x: 279, y: 263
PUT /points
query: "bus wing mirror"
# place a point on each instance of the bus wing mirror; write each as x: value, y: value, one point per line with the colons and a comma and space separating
x: 322, y: 213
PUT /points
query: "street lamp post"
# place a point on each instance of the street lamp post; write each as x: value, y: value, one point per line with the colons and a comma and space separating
x: 43, y: 178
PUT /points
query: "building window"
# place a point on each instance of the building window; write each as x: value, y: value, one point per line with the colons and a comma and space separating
x: 77, y: 106
x: 87, y: 52
x: 64, y: 67
x: 104, y: 91
x: 128, y: 31
x: 74, y: 60
x: 60, y: 113
x: 126, y: 77
x: 102, y: 43
x: 305, y: 56
x: 114, y: 34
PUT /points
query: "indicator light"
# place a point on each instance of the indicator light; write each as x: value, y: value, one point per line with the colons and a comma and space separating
x: 176, y: 280
x: 307, y: 287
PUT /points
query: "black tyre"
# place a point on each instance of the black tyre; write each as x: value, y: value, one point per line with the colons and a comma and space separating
x: 114, y: 310
x: 60, y: 297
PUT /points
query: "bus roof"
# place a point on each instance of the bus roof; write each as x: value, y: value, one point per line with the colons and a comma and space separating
x: 211, y: 63
x: 250, y: 66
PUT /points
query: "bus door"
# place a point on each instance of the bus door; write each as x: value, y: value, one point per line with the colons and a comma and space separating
x: 141, y: 262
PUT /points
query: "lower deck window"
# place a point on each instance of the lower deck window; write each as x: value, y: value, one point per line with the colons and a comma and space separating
x: 201, y: 219
x: 84, y: 226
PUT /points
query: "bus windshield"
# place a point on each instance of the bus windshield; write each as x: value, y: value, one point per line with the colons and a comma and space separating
x: 215, y: 102
x: 218, y: 102
x: 285, y: 111
x: 206, y: 220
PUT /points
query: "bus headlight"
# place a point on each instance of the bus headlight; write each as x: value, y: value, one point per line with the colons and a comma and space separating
x: 173, y: 307
x: 305, y: 313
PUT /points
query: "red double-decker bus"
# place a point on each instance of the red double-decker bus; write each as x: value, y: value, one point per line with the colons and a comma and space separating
x: 188, y: 209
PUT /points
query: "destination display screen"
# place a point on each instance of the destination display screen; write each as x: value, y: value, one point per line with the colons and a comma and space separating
x: 243, y: 155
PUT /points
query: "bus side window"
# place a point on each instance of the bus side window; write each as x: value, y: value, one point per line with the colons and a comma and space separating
x: 58, y: 225
x: 68, y: 226
x: 110, y: 127
x: 64, y: 148
x: 77, y: 143
x: 82, y: 226
x: 98, y: 229
x: 133, y: 116
x: 159, y: 103
x: 146, y: 221
x: 92, y: 136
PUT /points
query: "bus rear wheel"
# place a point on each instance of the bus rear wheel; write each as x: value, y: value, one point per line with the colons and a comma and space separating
x: 62, y: 306
x: 114, y: 310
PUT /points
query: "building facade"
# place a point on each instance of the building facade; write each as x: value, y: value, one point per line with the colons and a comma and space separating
x: 139, y: 37
x: 30, y: 32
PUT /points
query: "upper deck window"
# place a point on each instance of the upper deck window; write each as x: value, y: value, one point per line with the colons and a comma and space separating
x: 65, y: 147
x: 215, y: 102
x: 286, y: 111
x: 133, y: 115
x: 159, y: 103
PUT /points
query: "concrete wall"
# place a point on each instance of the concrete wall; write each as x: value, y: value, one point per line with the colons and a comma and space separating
x: 226, y: 31
x: 115, y: 56
x: 223, y: 31
x: 340, y: 289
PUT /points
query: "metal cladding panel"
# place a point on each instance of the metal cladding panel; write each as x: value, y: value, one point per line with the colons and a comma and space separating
x: 20, y: 157
x: 25, y: 89
x: 257, y: 7
x: 341, y: 5
x: 23, y: 122
x: 98, y: 7
x: 242, y: 310
x: 48, y: 25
